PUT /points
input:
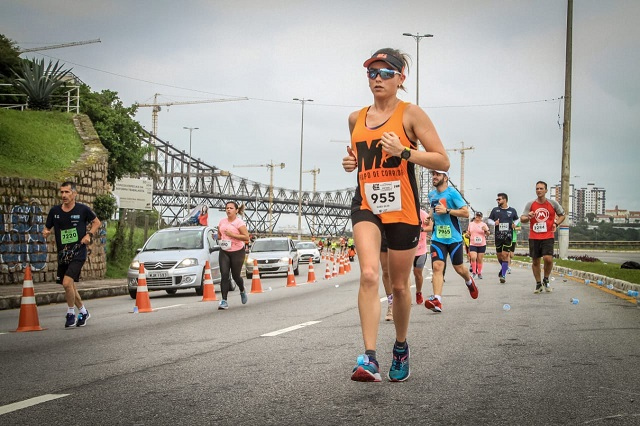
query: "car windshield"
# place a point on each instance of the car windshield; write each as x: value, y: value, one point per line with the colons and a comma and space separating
x: 306, y: 246
x: 175, y: 240
x: 270, y: 245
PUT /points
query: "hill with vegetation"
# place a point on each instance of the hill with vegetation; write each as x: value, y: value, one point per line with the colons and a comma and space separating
x: 37, y: 144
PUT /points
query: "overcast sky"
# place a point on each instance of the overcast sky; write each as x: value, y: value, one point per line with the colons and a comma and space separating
x: 491, y: 76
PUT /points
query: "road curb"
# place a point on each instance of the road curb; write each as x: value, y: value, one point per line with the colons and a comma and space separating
x: 47, y: 298
x: 619, y: 285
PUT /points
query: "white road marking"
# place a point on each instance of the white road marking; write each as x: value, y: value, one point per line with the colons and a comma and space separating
x: 288, y: 329
x: 167, y: 307
x: 621, y: 391
x: 29, y: 402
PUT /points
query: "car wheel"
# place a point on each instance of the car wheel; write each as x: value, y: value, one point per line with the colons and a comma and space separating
x: 200, y: 290
x: 172, y: 291
x: 133, y: 293
x: 249, y: 275
x: 297, y: 270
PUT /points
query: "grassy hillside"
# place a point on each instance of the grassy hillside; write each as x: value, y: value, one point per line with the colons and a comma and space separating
x: 37, y: 144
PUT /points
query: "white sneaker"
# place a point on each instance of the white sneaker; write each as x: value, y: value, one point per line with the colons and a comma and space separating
x: 389, y: 316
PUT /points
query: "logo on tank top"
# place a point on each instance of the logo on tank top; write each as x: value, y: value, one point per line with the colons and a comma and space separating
x: 542, y: 214
x: 373, y: 157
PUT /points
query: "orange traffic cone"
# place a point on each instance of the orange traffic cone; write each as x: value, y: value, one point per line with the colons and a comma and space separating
x: 291, y: 280
x: 28, y: 310
x: 142, y: 293
x: 256, y: 284
x: 347, y: 265
x: 341, y: 270
x: 335, y: 270
x: 327, y: 272
x: 208, y: 291
x: 311, y: 276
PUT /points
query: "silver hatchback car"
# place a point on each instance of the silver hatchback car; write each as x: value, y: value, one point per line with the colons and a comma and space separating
x: 175, y: 259
x: 273, y: 255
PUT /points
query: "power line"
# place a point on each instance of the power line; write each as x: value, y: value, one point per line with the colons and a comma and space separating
x: 496, y: 104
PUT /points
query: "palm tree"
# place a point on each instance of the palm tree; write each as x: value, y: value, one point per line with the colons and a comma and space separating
x: 39, y: 83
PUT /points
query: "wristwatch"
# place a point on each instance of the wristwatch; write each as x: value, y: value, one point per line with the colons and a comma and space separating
x: 448, y: 211
x: 90, y: 234
x: 406, y: 153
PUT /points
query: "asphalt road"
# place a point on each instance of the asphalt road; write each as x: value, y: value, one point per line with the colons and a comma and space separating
x: 545, y: 361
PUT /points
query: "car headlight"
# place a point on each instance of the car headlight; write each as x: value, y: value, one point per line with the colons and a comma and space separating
x: 190, y: 261
x: 285, y: 259
x: 135, y: 265
x: 249, y: 260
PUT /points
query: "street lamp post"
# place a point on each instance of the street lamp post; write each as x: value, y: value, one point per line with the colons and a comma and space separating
x: 190, y: 129
x: 417, y: 37
x: 302, y: 102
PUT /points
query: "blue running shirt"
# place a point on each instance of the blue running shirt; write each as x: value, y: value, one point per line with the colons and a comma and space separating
x: 446, y: 228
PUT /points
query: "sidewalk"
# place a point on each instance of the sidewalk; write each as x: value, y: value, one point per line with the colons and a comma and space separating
x: 46, y: 293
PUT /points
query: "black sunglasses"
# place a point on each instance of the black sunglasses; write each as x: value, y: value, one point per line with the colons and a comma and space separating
x: 384, y: 73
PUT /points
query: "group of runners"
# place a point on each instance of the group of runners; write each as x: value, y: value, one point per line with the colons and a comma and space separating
x: 389, y: 228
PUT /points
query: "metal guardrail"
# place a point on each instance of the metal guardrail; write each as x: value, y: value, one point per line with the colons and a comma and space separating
x: 577, y: 245
x: 618, y: 245
x: 70, y: 100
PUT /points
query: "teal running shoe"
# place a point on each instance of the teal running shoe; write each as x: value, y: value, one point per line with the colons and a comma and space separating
x: 366, y: 370
x: 399, y: 371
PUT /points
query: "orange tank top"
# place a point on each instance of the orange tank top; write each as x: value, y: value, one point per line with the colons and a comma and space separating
x: 386, y: 184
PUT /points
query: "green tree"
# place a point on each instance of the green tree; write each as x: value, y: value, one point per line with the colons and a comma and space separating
x: 39, y: 83
x: 9, y: 64
x: 591, y: 217
x: 120, y: 134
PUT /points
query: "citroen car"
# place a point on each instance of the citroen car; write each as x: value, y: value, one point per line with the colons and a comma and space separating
x: 175, y: 259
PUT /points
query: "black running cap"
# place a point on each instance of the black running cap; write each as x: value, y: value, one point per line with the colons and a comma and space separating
x: 385, y: 56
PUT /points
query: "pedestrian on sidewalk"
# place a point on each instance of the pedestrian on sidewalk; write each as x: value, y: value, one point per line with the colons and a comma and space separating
x: 543, y: 215
x: 70, y: 221
x: 384, y: 151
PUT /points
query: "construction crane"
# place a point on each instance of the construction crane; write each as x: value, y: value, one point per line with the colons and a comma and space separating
x: 461, y: 151
x: 156, y: 107
x: 271, y: 166
x: 59, y: 46
x: 315, y: 172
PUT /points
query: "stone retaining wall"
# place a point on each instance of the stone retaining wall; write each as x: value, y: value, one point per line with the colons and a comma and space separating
x: 24, y: 204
